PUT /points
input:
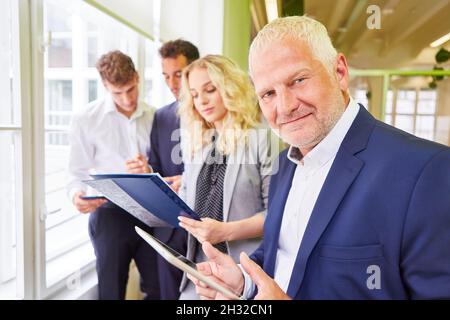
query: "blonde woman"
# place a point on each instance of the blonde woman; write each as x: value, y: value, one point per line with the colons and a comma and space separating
x: 227, y: 155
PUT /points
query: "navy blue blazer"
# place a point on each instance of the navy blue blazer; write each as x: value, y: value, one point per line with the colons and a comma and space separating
x: 165, y: 124
x: 380, y: 228
x: 165, y: 150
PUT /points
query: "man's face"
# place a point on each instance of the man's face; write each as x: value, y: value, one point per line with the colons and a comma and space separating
x: 172, y: 70
x: 125, y: 96
x: 297, y: 95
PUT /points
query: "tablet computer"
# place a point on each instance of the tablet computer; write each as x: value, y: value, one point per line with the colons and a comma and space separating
x: 184, y: 264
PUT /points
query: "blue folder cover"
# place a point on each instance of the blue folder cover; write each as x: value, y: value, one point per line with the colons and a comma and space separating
x: 153, y: 194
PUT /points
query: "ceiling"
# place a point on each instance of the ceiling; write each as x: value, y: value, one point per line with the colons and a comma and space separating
x: 407, y: 27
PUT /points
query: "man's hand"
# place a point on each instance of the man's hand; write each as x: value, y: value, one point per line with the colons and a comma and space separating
x: 138, y: 164
x: 220, y: 268
x: 268, y: 289
x: 174, y: 182
x: 208, y: 229
x: 86, y: 206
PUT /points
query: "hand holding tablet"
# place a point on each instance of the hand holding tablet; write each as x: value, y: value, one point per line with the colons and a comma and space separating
x: 184, y: 264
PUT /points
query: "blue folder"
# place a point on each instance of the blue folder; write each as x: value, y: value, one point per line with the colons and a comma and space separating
x: 152, y: 193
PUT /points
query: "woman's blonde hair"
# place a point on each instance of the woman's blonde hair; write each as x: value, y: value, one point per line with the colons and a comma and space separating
x: 238, y: 97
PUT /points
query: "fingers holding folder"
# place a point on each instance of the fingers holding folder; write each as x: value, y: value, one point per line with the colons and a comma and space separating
x: 174, y: 182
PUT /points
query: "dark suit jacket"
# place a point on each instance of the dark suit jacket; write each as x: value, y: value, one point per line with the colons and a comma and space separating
x: 165, y: 151
x: 383, y: 212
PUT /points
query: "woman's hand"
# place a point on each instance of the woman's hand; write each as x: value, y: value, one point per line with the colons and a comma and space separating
x: 208, y: 229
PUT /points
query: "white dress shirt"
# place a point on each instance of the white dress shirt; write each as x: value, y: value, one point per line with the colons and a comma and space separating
x: 102, y: 139
x: 309, y: 177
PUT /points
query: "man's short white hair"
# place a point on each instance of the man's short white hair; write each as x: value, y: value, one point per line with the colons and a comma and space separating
x: 303, y: 28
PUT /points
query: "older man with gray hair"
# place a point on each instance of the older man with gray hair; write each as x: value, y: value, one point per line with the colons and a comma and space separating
x: 356, y: 208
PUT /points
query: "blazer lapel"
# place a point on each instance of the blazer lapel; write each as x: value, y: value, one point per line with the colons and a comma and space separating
x: 233, y: 165
x: 343, y: 172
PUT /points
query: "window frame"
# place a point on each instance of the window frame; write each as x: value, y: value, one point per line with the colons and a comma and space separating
x: 22, y: 95
x: 42, y: 291
x: 39, y: 47
x: 29, y: 85
x: 415, y: 114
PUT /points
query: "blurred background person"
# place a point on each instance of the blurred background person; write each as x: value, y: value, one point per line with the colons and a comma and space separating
x: 165, y: 156
x: 103, y: 137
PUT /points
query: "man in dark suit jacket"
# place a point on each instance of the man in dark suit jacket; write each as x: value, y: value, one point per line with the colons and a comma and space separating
x: 165, y: 156
x: 358, y: 209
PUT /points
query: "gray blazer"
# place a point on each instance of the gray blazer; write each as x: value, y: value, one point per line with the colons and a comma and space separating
x: 246, y: 187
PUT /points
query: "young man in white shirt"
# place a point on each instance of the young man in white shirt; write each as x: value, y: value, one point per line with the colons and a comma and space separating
x: 103, y: 137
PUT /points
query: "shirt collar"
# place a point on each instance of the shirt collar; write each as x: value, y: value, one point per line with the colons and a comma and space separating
x: 329, y: 146
x: 110, y: 107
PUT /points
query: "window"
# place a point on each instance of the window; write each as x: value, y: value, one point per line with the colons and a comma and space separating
x: 154, y: 80
x: 10, y: 211
x: 36, y: 107
x: 79, y: 35
x: 389, y: 107
x: 150, y: 54
x: 361, y: 97
x: 93, y: 88
x: 11, y: 250
x: 412, y: 110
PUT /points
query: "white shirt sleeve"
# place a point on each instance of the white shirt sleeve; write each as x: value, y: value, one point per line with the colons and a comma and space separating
x: 81, y: 157
x: 249, y: 285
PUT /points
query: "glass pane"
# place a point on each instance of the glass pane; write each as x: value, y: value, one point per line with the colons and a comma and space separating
x: 59, y: 95
x: 406, y: 100
x: 66, y: 230
x: 92, y: 51
x: 148, y: 91
x: 389, y: 101
x: 9, y: 110
x: 56, y: 18
x: 361, y: 97
x: 11, y: 247
x: 405, y: 123
x: 150, y: 51
x: 92, y: 26
x: 60, y: 53
x: 427, y: 102
x: 78, y: 35
x: 425, y: 127
x: 58, y: 24
x: 388, y: 119
x: 9, y: 210
x: 92, y: 84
